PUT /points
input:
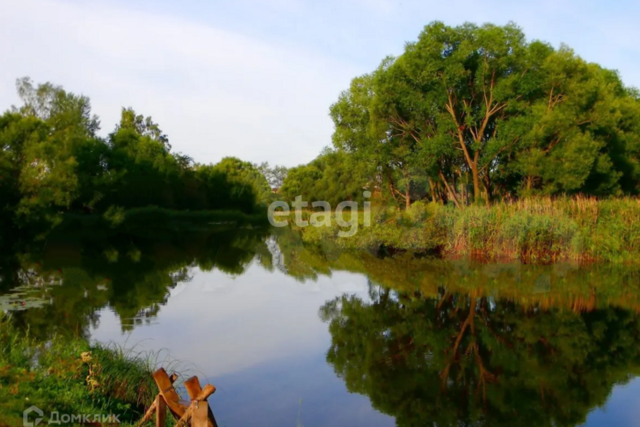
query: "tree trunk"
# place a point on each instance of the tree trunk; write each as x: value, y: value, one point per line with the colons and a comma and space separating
x: 407, y: 196
x: 392, y: 187
x: 476, y: 179
x: 407, y: 192
x: 487, y: 188
x: 434, y: 196
x: 449, y: 189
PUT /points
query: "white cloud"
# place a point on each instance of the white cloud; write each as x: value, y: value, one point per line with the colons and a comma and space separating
x: 214, y: 92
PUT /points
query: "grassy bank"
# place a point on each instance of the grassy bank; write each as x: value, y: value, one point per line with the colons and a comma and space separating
x: 533, y: 230
x: 70, y: 376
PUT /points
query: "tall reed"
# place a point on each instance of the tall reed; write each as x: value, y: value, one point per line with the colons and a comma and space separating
x: 533, y: 230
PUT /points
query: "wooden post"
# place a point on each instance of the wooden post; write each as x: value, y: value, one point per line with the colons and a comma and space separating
x: 200, y: 416
x: 161, y: 412
x: 169, y: 394
x: 194, y: 389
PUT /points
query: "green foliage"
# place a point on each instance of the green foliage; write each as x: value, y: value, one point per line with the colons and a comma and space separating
x: 114, y: 215
x: 244, y: 178
x: 332, y: 177
x: 480, y: 110
x: 70, y: 376
x: 52, y: 162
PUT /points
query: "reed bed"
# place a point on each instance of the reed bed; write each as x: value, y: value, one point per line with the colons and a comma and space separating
x: 535, y: 230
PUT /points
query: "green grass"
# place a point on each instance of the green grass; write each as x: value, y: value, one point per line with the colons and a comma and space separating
x: 541, y: 230
x: 71, y: 376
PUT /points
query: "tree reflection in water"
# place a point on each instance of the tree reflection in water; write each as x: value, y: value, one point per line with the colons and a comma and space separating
x: 132, y: 273
x: 468, y: 359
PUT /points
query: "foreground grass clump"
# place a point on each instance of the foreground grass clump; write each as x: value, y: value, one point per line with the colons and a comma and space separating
x: 538, y: 230
x: 70, y: 376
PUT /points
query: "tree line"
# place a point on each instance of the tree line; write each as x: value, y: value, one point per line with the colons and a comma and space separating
x: 53, y: 161
x: 479, y: 113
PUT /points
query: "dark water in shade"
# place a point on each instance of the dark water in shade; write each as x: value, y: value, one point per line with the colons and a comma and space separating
x: 294, y: 334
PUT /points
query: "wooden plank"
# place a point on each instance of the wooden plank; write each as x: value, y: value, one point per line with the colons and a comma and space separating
x: 161, y: 412
x: 193, y: 388
x: 207, y: 391
x: 200, y: 417
x: 171, y: 397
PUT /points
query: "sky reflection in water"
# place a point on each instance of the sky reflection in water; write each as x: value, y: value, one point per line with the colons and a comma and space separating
x: 292, y: 334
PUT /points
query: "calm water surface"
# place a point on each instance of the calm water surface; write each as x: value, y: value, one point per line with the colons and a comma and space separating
x: 298, y: 335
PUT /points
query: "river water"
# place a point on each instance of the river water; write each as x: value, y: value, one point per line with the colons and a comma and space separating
x: 299, y: 335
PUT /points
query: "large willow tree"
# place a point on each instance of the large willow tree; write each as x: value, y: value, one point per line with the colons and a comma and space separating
x: 480, y: 106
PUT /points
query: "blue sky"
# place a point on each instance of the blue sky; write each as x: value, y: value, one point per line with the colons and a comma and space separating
x: 255, y: 79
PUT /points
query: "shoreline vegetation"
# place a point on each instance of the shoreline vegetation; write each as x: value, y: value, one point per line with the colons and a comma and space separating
x: 481, y: 143
x: 534, y: 230
x: 71, y: 376
x: 55, y: 166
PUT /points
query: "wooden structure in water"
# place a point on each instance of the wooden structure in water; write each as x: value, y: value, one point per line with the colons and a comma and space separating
x: 195, y: 413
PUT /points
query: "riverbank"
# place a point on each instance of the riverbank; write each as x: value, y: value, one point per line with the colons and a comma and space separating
x: 541, y: 230
x: 72, y: 377
x: 167, y: 218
